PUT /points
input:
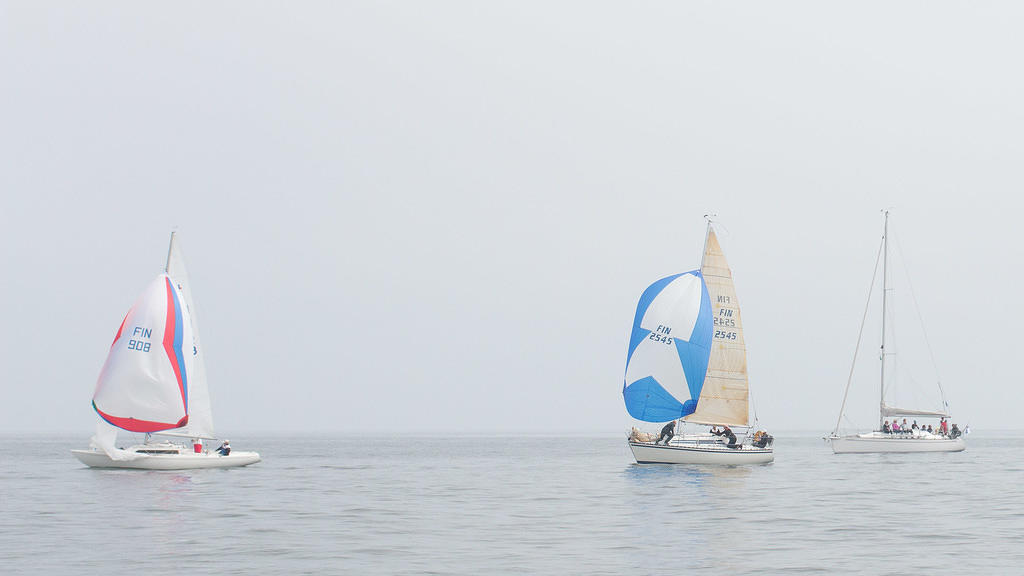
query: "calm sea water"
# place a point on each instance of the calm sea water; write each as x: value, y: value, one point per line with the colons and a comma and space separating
x: 513, y: 505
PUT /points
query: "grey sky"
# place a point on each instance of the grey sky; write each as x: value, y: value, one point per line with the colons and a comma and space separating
x: 438, y: 216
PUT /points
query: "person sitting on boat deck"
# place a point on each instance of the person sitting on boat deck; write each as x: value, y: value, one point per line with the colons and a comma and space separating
x: 638, y: 436
x: 904, y: 427
x: 914, y: 426
x: 761, y: 439
x: 895, y: 427
x: 886, y: 428
x: 930, y: 429
x: 225, y: 448
x: 955, y: 432
x: 725, y: 431
x: 667, y: 432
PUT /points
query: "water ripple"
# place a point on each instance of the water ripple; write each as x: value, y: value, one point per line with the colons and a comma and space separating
x: 514, y: 506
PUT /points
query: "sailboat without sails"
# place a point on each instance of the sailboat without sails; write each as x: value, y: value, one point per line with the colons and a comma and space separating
x: 886, y: 438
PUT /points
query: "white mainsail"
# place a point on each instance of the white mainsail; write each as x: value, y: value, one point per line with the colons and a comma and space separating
x: 889, y: 411
x: 200, y: 419
x: 724, y: 397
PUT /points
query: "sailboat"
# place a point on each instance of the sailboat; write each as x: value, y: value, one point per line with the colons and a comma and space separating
x: 885, y: 439
x: 687, y: 362
x: 154, y: 382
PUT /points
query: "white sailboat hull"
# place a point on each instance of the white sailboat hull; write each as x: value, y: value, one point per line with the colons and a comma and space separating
x: 690, y: 452
x: 179, y: 461
x: 901, y: 440
x: 882, y: 443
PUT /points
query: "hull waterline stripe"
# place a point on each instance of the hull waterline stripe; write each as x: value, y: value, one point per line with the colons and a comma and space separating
x: 716, y: 450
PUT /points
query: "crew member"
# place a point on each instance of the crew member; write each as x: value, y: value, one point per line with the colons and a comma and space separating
x: 667, y: 432
x: 727, y: 432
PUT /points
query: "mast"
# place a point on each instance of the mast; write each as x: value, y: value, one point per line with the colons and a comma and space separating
x: 707, y: 231
x: 885, y: 295
x: 170, y: 249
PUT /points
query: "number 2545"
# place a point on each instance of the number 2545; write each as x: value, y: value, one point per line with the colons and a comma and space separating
x: 660, y: 338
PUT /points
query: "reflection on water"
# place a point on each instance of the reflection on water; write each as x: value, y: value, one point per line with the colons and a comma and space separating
x: 721, y: 480
x: 165, y: 483
x: 695, y: 473
x: 686, y: 506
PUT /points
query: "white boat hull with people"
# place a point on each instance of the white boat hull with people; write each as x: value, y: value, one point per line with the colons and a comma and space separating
x: 880, y: 442
x: 163, y: 456
x: 895, y: 437
x: 687, y: 362
x: 700, y: 449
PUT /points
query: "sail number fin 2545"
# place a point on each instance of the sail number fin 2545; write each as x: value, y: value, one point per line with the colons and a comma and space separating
x: 661, y: 334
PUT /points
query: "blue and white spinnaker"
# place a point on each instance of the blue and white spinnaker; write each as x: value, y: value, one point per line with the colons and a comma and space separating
x: 668, y: 349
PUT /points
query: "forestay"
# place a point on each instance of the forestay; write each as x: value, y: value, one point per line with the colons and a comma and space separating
x: 724, y: 397
x: 143, y: 386
x: 668, y: 349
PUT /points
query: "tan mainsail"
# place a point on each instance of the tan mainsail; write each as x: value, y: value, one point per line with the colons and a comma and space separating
x: 723, y: 399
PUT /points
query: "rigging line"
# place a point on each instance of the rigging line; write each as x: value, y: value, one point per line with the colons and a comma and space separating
x: 867, y: 305
x: 712, y: 218
x: 910, y: 384
x: 851, y: 424
x: 920, y: 319
x: 753, y: 406
x: 720, y: 226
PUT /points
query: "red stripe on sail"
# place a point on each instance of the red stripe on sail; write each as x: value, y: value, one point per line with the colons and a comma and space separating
x: 136, y: 425
x: 169, y: 328
x: 121, y: 328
